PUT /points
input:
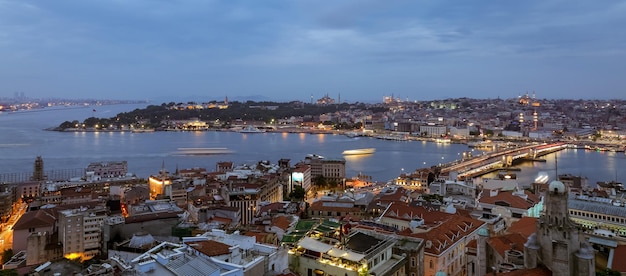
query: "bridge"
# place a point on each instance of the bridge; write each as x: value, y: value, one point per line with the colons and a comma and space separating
x: 501, y: 159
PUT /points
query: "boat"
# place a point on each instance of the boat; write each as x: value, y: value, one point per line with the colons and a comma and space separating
x: 202, y: 151
x: 251, y: 129
x: 359, y: 151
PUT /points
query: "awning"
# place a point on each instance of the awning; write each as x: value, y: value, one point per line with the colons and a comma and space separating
x: 314, y: 245
x: 601, y: 241
x: 355, y: 257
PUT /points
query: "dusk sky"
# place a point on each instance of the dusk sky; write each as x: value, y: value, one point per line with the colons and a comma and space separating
x: 178, y: 50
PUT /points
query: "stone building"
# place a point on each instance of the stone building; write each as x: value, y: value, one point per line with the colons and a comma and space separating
x: 558, y: 243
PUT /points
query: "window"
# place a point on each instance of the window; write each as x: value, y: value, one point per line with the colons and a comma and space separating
x: 413, y: 262
x: 431, y: 264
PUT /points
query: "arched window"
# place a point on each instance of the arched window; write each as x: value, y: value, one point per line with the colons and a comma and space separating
x: 431, y: 264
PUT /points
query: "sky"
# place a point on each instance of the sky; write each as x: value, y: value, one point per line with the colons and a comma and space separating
x: 352, y: 50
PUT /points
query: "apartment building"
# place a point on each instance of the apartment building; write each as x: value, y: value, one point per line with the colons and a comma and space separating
x: 80, y: 231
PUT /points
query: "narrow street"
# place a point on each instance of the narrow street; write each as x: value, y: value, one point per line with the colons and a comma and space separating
x: 6, y: 236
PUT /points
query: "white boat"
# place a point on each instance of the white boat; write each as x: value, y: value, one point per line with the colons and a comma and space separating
x: 203, y: 151
x: 359, y: 151
x: 251, y: 129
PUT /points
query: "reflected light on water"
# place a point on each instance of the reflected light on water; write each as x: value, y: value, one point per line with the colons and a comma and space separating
x: 320, y: 138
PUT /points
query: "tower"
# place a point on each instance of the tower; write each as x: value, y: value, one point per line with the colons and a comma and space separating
x: 558, y: 243
x: 483, y: 237
x: 38, y: 174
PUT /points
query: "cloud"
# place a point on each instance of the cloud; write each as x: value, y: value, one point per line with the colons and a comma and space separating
x: 158, y: 45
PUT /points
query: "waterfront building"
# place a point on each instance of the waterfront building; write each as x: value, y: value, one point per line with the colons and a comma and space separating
x: 433, y: 130
x: 99, y: 170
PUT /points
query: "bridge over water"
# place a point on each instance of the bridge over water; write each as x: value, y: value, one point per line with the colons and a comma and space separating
x: 489, y: 162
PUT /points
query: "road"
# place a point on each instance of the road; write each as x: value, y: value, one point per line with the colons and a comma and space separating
x: 6, y: 236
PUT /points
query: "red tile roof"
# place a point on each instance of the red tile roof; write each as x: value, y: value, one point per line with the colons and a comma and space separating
x: 513, y: 201
x: 276, y: 206
x: 319, y: 206
x: 506, y: 242
x: 36, y: 219
x: 442, y: 229
x: 281, y: 222
x: 524, y: 226
x: 449, y: 232
x: 210, y: 248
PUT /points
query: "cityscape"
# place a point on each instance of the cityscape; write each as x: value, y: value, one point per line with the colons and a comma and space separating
x: 310, y: 138
x: 307, y: 216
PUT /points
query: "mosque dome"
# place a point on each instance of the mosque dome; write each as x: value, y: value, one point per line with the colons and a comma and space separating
x: 557, y: 186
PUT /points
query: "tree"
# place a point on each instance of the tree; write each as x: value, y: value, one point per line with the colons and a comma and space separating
x: 8, y: 272
x: 608, y: 272
x: 319, y: 180
x: 7, y: 255
x: 297, y: 193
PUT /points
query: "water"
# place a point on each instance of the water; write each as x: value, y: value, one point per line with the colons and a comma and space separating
x: 23, y: 138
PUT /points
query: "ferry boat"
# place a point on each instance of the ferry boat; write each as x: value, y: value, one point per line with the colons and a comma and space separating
x: 251, y: 129
x: 203, y: 151
x: 359, y: 151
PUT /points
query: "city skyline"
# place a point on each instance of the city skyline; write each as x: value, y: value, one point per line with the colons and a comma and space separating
x: 283, y: 51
